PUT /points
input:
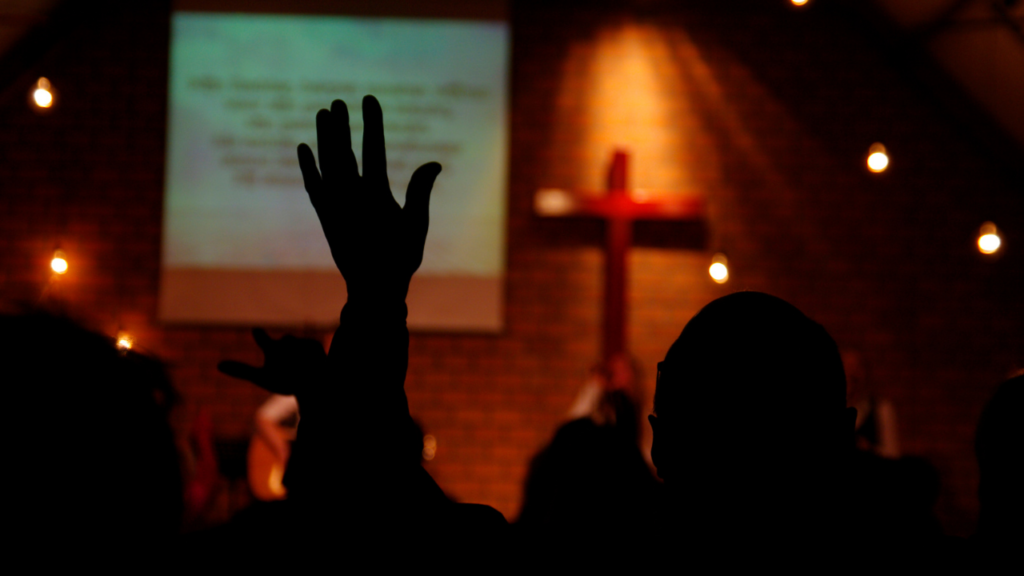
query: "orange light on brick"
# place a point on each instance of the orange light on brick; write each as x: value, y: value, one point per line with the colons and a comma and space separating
x: 719, y: 269
x: 623, y: 97
x: 275, y: 481
x: 878, y: 158
x: 42, y: 93
x: 989, y: 241
x: 59, y: 263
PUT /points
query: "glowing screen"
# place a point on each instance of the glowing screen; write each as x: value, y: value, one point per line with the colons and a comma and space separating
x: 242, y: 244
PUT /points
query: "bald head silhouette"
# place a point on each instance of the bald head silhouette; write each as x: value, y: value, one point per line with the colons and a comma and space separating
x: 999, y: 446
x: 750, y: 411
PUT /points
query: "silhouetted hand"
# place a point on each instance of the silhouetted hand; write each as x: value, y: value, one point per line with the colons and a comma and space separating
x: 288, y: 365
x: 376, y: 244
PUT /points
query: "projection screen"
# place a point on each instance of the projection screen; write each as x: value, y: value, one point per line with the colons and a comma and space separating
x: 241, y: 242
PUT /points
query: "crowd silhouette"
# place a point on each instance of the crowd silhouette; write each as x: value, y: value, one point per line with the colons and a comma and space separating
x: 93, y: 470
x: 1000, y: 449
x: 753, y: 438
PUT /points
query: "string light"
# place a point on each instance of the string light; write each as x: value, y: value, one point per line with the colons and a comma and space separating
x: 719, y: 269
x: 124, y: 341
x: 989, y: 241
x: 553, y: 202
x: 59, y: 263
x: 878, y: 158
x: 429, y: 447
x: 42, y: 93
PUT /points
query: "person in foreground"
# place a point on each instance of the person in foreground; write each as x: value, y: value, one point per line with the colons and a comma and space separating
x: 92, y: 474
x: 751, y: 428
x: 999, y: 446
x: 349, y: 481
x: 755, y: 444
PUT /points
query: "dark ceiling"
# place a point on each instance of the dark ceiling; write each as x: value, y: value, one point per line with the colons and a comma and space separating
x: 978, y: 43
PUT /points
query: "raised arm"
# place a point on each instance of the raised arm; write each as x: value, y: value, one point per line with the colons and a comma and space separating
x: 351, y: 462
x: 377, y: 245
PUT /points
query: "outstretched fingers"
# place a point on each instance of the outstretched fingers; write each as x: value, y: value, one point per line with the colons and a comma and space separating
x: 348, y: 170
x: 263, y: 340
x: 326, y: 145
x: 334, y: 147
x: 375, y: 171
x: 310, y: 175
x: 417, y: 196
x: 417, y: 204
x: 242, y: 371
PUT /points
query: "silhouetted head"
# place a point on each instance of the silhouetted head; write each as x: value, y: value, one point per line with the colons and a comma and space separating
x: 999, y: 446
x: 91, y: 454
x: 590, y: 483
x: 750, y: 399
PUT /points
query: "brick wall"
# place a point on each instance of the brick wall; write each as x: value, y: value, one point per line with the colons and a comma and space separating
x: 765, y: 112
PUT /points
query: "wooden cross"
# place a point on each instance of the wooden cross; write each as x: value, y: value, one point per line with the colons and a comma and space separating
x: 618, y: 209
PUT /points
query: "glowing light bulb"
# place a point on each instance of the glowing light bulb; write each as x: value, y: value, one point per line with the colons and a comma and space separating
x: 719, y: 269
x: 42, y: 95
x: 988, y: 239
x: 553, y: 202
x: 798, y: 2
x: 124, y: 341
x: 59, y: 264
x: 878, y: 158
x: 719, y: 272
x: 878, y: 162
x: 429, y: 447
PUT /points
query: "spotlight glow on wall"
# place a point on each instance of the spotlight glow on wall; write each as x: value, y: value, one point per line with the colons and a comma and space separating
x: 989, y: 241
x: 719, y: 269
x: 59, y: 263
x: 878, y: 158
x: 42, y: 93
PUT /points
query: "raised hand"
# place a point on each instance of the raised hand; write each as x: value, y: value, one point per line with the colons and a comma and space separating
x: 289, y: 364
x: 376, y: 244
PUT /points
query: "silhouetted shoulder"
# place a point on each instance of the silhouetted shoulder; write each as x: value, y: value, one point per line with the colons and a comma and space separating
x: 479, y: 516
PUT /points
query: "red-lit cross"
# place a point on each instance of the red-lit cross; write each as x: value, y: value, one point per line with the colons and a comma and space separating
x: 618, y: 209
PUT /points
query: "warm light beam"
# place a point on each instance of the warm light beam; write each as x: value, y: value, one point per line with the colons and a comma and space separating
x: 624, y: 98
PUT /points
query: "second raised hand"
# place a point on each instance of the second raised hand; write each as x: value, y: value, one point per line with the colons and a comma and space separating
x: 376, y: 244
